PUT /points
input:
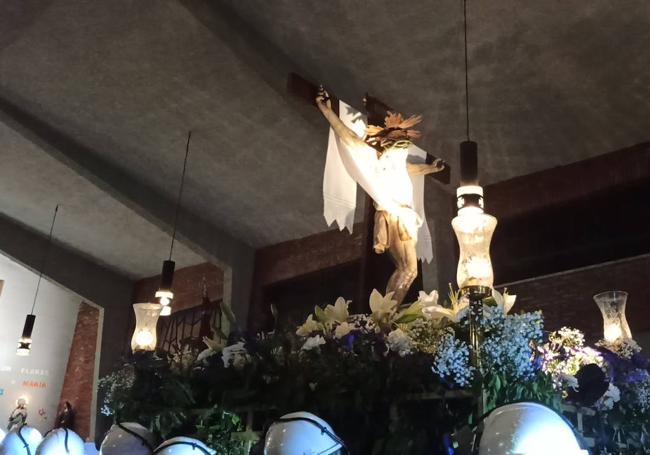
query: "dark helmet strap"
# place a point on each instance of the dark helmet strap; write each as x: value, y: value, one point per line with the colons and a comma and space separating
x: 65, y: 441
x: 181, y: 443
x: 323, y: 429
x: 25, y: 443
x: 135, y: 435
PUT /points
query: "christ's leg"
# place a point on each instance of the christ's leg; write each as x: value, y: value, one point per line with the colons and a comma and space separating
x: 404, y: 256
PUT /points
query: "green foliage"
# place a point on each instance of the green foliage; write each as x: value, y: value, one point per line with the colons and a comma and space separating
x: 217, y: 428
x: 501, y: 389
x: 370, y: 376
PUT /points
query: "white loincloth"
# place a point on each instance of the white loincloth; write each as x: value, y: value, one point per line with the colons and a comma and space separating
x: 344, y: 168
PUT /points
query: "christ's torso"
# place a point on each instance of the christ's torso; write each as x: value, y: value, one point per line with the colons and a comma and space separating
x: 392, y: 174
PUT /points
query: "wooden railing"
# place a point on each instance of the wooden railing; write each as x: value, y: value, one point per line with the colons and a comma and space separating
x: 189, y: 326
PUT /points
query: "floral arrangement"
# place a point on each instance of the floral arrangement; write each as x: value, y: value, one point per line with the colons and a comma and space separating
x: 370, y: 376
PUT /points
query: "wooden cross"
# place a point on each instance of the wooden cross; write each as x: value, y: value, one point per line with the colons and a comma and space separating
x: 375, y: 268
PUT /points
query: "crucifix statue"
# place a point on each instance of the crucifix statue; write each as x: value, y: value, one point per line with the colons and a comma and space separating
x: 378, y: 162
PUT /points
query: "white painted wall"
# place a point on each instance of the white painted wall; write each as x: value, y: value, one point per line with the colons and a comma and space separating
x: 38, y: 377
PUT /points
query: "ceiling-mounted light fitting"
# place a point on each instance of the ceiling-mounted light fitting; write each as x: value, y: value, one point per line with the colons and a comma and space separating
x: 473, y: 227
x: 469, y: 195
x: 165, y: 293
x: 25, y: 340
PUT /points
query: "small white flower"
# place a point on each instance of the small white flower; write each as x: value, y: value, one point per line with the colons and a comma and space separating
x: 205, y: 354
x: 363, y: 323
x: 623, y: 347
x: 399, y: 342
x: 451, y: 361
x: 313, y: 342
x: 569, y: 381
x: 607, y: 401
x: 342, y: 330
x: 235, y: 355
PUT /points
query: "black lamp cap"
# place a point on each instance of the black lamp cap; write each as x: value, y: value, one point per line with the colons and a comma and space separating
x: 29, y: 326
x: 167, y: 276
x: 468, y: 163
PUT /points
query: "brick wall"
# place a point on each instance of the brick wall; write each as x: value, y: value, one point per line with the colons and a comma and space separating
x: 576, y: 181
x: 188, y: 286
x: 566, y: 298
x: 78, y: 386
x: 297, y: 258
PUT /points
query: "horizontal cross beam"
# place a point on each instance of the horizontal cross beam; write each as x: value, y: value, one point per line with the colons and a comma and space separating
x: 376, y: 110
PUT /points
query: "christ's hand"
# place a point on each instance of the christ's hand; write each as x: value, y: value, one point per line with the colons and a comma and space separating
x: 323, y: 99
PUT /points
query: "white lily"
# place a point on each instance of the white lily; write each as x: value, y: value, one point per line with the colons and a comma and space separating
x: 383, y: 307
x: 504, y: 301
x: 342, y: 330
x: 310, y: 326
x: 429, y: 299
x: 338, y: 312
x: 215, y: 344
x: 454, y: 314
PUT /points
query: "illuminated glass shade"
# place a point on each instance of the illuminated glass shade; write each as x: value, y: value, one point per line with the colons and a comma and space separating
x: 612, y: 306
x: 474, y: 231
x: 146, y: 319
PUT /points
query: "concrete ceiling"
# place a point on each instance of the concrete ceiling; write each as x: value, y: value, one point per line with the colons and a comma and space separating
x: 89, y: 220
x: 551, y: 83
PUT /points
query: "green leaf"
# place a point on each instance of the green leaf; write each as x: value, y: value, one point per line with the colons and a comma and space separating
x: 497, y: 383
x: 406, y: 318
x: 227, y: 311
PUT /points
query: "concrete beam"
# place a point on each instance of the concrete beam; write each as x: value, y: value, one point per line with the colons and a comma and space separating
x: 268, y: 61
x: 215, y: 245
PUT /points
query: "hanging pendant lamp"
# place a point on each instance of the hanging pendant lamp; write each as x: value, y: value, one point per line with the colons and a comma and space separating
x: 25, y: 341
x: 473, y: 227
x: 165, y: 293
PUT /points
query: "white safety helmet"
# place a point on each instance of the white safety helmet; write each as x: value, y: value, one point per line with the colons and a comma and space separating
x: 528, y: 429
x: 183, y: 446
x: 301, y: 433
x: 21, y: 441
x: 127, y: 437
x: 61, y: 441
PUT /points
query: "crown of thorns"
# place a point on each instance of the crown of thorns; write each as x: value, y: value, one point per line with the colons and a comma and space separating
x: 395, y: 128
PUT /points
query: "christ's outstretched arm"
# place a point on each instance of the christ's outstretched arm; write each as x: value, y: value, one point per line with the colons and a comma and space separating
x: 424, y: 169
x: 348, y: 136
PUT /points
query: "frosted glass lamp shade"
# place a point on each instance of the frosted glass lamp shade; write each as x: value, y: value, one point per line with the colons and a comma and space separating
x: 146, y: 320
x: 474, y: 231
x: 612, y: 306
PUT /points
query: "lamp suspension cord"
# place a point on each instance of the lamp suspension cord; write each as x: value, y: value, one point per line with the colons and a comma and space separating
x: 466, y: 69
x: 46, y: 254
x: 180, y: 193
